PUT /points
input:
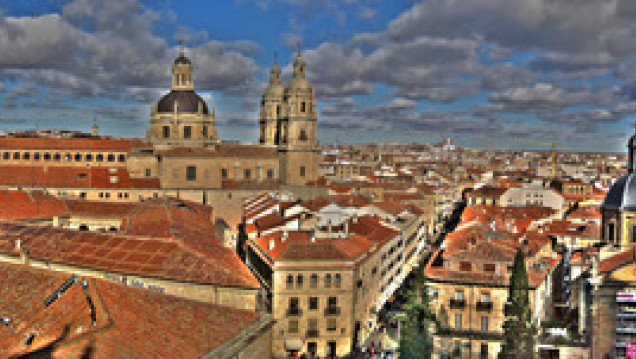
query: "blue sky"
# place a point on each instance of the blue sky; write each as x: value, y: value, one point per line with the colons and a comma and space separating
x: 485, y: 72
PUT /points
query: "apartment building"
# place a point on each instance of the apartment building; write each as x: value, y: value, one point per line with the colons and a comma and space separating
x: 329, y: 270
x: 468, y: 280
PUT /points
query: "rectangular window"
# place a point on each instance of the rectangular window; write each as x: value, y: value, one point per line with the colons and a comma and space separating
x: 191, y: 173
x: 338, y: 280
x: 121, y: 158
x: 16, y: 155
x: 205, y: 131
x: 293, y: 326
x: 89, y: 157
x: 47, y: 156
x: 464, y: 266
x: 484, y: 350
x: 26, y: 156
x: 294, y: 303
x: 78, y: 157
x: 485, y: 297
x: 302, y: 171
x: 223, y: 173
x: 302, y: 106
x: 312, y: 324
x: 36, y: 156
x: 187, y: 131
x: 6, y: 155
x: 610, y: 232
x: 299, y: 281
x: 290, y: 281
x: 459, y: 295
x: 248, y: 173
x: 270, y: 174
x: 484, y: 323
x: 633, y: 234
x: 489, y: 267
x: 458, y: 321
x: 111, y: 158
x: 99, y: 157
x: 313, y: 303
x: 148, y: 172
x: 327, y: 280
x: 331, y: 324
x: 333, y: 302
x: 166, y: 131
x: 314, y: 280
x: 67, y: 157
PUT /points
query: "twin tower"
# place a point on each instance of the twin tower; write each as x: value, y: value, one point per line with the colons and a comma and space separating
x: 287, y: 120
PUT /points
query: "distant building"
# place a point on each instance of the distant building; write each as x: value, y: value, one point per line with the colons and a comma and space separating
x: 181, y: 155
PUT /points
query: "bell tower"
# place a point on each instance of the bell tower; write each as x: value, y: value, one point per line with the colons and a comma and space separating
x: 272, y: 107
x: 297, y: 145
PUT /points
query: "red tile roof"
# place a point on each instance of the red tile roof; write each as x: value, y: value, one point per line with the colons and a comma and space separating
x: 80, y: 144
x: 72, y: 177
x: 131, y: 322
x: 614, y: 262
x: 21, y: 205
x: 199, y: 261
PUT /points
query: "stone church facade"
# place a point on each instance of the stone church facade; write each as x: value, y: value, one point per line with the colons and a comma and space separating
x: 181, y: 155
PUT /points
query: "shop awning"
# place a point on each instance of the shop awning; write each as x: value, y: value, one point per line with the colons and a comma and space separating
x: 293, y: 344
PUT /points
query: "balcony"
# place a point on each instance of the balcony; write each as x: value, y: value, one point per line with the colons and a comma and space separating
x: 332, y: 311
x: 457, y: 303
x: 292, y: 312
x: 312, y: 333
x: 483, y: 306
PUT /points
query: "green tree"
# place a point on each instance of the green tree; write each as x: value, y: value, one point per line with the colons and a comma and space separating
x: 415, y: 320
x: 519, y: 333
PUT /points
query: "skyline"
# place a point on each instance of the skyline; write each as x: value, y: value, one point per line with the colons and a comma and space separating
x: 384, y: 71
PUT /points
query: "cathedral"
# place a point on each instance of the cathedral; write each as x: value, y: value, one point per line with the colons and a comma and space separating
x: 181, y: 155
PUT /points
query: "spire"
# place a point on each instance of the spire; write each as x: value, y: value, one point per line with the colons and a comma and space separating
x: 95, y: 127
x: 299, y: 64
x: 275, y: 72
x: 181, y: 48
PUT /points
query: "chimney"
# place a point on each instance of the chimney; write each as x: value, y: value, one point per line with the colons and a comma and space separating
x: 272, y: 243
x: 18, y: 245
x: 284, y: 236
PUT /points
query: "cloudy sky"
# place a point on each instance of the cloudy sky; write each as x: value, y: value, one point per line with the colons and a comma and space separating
x: 485, y: 72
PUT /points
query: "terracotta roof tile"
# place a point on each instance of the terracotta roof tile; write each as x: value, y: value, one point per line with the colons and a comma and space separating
x: 130, y: 322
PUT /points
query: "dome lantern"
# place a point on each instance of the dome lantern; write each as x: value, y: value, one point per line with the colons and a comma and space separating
x: 182, y: 72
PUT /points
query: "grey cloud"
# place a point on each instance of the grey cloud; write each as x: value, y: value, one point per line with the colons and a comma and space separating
x: 117, y: 52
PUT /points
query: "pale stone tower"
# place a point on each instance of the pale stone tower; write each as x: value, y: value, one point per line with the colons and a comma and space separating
x: 297, y: 144
x: 181, y: 117
x: 95, y: 128
x: 272, y: 107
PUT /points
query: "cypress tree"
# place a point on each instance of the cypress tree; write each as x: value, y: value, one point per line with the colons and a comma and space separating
x: 415, y: 335
x: 519, y: 332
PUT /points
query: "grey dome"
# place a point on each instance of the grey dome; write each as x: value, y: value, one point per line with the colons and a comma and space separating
x: 188, y: 102
x: 622, y: 194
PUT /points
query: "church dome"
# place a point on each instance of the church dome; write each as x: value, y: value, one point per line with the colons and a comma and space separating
x: 622, y: 194
x: 188, y: 102
x: 299, y: 83
x: 274, y: 91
